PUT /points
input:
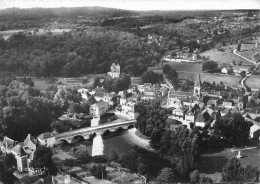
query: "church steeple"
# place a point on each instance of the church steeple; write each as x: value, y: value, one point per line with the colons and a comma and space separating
x: 197, y: 85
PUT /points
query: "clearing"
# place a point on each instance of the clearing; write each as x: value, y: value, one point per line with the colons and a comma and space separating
x: 207, y: 77
x: 186, y: 67
x: 213, y: 163
x: 253, y: 82
x: 43, y: 83
x: 226, y: 57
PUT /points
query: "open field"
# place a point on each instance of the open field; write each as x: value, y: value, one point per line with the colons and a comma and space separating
x: 226, y: 57
x: 226, y: 79
x: 207, y: 77
x: 253, y: 82
x: 212, y: 163
x: 43, y: 84
x: 186, y: 67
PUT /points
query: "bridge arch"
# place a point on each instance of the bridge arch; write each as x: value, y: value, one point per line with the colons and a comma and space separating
x: 130, y: 126
x: 62, y: 141
x: 92, y: 135
x: 77, y: 138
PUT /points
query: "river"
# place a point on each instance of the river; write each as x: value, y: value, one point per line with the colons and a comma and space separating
x: 121, y: 143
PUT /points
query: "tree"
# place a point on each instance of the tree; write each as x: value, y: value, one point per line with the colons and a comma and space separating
x: 151, y: 77
x: 195, y: 176
x: 7, y: 168
x: 166, y: 175
x: 239, y: 45
x: 75, y: 108
x: 233, y: 171
x: 181, y: 149
x: 234, y: 129
x: 99, y: 171
x: 243, y: 74
x: 170, y: 72
x: 113, y: 156
x: 210, y: 66
x: 43, y: 158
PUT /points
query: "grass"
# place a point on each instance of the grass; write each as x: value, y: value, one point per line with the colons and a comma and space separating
x: 226, y: 79
x: 212, y: 164
x: 207, y: 77
x: 43, y: 84
x: 186, y: 67
x: 226, y: 57
x: 253, y: 82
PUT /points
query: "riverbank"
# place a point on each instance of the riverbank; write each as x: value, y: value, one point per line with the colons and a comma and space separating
x: 141, y: 142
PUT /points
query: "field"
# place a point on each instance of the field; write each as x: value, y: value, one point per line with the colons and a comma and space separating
x: 253, y: 82
x: 186, y: 67
x: 43, y: 84
x: 206, y: 77
x: 226, y: 57
x: 226, y: 79
x: 212, y: 164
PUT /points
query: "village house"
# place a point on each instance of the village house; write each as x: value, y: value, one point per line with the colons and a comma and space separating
x: 114, y: 71
x: 238, y: 69
x: 228, y: 103
x: 226, y: 70
x: 99, y: 108
x: 178, y: 113
x: 174, y: 102
x: 190, y: 116
x: 23, y: 151
x: 127, y: 109
x: 203, y: 119
x: 255, y: 132
x: 84, y: 93
x: 172, y: 124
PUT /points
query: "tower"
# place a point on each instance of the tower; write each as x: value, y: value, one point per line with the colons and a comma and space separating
x: 197, y: 86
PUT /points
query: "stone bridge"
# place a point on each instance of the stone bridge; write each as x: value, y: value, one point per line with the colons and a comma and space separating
x: 86, y: 133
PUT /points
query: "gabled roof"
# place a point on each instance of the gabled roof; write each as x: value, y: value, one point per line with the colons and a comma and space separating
x: 200, y: 118
x: 101, y: 103
x: 18, y: 149
x: 8, y: 143
x: 28, y: 143
x: 100, y: 94
x: 170, y: 121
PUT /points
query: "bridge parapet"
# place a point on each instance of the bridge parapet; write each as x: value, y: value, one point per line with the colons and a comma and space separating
x: 85, y: 133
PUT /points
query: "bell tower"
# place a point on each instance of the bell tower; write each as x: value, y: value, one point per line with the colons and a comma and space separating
x: 197, y: 86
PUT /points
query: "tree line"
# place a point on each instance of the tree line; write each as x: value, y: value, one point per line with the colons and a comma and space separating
x: 72, y: 55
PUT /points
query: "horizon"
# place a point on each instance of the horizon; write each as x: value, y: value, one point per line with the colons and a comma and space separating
x: 137, y: 5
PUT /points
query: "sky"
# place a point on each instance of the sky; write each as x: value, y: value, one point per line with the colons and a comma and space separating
x: 137, y: 4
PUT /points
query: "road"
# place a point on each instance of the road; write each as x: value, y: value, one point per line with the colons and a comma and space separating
x: 256, y: 67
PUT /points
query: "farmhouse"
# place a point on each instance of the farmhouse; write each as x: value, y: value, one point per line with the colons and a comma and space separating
x: 226, y: 70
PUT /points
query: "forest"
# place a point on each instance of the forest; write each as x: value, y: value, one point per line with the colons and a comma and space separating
x: 72, y: 55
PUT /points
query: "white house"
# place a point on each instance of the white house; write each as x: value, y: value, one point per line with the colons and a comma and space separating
x: 189, y: 116
x: 99, y: 108
x: 46, y: 139
x: 226, y: 70
x: 255, y: 132
x: 114, y: 71
x: 228, y: 103
x: 127, y: 109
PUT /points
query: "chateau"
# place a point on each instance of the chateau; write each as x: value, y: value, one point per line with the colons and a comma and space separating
x: 114, y: 71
